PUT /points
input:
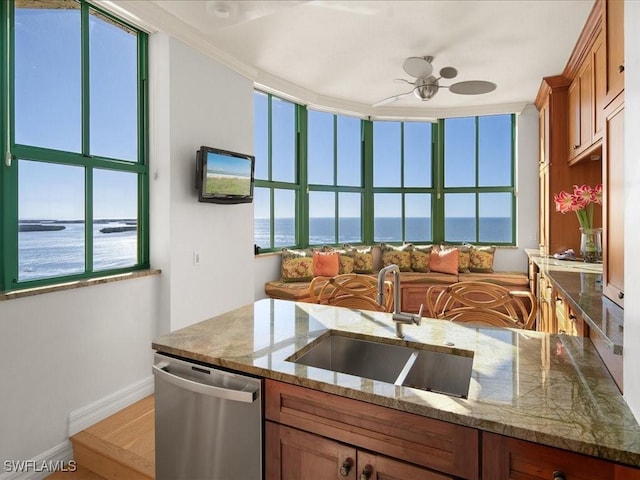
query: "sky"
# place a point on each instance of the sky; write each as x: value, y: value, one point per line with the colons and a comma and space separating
x: 48, y: 113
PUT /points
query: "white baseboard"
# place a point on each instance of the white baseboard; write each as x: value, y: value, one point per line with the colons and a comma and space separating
x: 99, y: 410
x: 41, y: 466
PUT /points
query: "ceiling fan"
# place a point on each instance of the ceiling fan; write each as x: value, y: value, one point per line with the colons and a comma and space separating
x: 427, y: 85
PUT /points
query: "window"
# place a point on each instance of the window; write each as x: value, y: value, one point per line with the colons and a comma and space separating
x: 75, y: 183
x: 402, y: 181
x: 479, y: 193
x: 276, y: 186
x: 334, y: 169
x: 348, y: 180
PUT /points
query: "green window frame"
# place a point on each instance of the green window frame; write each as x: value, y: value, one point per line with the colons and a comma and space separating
x: 93, y: 167
x: 408, y: 191
x: 276, y: 188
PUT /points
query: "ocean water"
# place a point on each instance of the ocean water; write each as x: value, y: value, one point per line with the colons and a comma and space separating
x: 418, y: 230
x: 61, y: 252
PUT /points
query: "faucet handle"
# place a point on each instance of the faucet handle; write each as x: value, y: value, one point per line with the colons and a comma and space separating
x: 420, y: 313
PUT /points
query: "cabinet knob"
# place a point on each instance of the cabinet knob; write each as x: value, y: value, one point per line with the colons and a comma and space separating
x: 620, y: 68
x: 620, y: 295
x: 572, y: 317
x: 575, y: 147
x: 346, y: 467
x: 366, y: 472
x: 557, y: 475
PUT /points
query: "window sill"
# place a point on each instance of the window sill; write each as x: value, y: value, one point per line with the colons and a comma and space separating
x: 28, y: 292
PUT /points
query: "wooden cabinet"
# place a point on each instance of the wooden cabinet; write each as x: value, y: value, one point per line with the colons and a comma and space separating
x: 613, y: 13
x: 568, y: 321
x: 546, y: 314
x: 386, y: 437
x: 586, y: 102
x: 507, y: 458
x: 613, y: 203
x: 293, y: 454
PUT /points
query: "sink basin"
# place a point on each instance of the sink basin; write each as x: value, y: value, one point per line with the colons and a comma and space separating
x: 422, y: 368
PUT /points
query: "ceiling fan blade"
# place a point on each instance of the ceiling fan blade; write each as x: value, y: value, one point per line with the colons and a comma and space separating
x: 418, y: 66
x: 388, y: 100
x: 448, y: 72
x: 472, y: 87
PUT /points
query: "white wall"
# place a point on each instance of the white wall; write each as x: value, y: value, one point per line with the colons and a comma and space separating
x: 267, y: 267
x: 632, y: 199
x: 62, y: 351
x: 198, y: 103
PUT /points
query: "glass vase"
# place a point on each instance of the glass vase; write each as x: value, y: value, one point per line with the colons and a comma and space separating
x: 591, y: 244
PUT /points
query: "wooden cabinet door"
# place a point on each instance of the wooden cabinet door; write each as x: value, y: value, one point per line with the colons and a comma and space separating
x: 292, y: 454
x: 586, y: 104
x: 506, y: 458
x: 599, y: 87
x: 379, y: 467
x: 614, y: 39
x: 613, y: 203
x: 574, y: 118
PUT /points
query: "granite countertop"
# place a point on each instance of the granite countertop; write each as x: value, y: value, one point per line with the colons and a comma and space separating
x: 549, y: 389
x: 581, y: 284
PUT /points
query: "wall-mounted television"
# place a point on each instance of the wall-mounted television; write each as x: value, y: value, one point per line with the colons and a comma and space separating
x: 223, y: 176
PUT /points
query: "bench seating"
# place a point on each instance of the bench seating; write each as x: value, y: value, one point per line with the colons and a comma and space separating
x: 414, y: 285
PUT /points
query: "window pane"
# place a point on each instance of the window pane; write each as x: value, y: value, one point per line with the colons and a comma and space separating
x: 417, y: 154
x: 494, y: 150
x: 113, y: 78
x: 387, y: 221
x: 460, y: 217
x: 386, y: 154
x: 115, y: 219
x: 320, y: 143
x: 47, y: 76
x: 417, y: 226
x: 261, y: 217
x: 284, y: 216
x: 459, y: 152
x: 349, y: 210
x: 322, y: 218
x: 495, y: 217
x: 261, y: 134
x: 349, y: 151
x: 51, y: 239
x: 283, y: 140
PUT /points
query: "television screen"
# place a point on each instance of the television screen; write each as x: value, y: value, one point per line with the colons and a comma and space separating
x: 224, y: 177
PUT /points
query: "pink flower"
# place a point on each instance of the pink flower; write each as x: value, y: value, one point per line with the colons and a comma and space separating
x: 564, y: 202
x: 581, y: 202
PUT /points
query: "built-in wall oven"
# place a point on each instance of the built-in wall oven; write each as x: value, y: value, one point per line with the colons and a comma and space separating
x: 208, y: 422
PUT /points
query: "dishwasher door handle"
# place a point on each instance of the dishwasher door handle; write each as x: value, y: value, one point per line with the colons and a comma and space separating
x: 247, y: 395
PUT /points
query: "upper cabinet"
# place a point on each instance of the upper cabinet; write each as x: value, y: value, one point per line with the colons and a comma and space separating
x: 613, y: 13
x: 586, y: 104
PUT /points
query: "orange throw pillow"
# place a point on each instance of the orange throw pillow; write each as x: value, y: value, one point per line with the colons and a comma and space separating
x: 326, y: 264
x: 444, y: 261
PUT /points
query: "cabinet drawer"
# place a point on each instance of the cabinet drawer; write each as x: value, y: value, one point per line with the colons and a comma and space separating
x: 430, y: 443
x: 507, y: 458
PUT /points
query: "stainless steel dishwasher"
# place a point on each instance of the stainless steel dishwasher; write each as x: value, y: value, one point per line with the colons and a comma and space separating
x: 208, y: 422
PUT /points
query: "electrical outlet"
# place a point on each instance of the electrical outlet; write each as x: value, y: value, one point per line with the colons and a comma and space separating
x: 196, y: 258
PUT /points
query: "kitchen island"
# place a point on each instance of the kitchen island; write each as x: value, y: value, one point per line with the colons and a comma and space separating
x: 548, y: 389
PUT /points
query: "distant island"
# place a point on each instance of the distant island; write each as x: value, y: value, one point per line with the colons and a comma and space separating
x: 39, y: 228
x: 117, y: 229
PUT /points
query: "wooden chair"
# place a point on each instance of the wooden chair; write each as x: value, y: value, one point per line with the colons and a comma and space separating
x: 482, y: 303
x: 351, y: 290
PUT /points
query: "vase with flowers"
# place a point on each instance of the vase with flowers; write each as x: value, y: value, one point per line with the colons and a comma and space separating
x: 581, y: 201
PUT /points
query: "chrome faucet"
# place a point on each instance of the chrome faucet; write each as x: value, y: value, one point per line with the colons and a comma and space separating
x: 398, y: 317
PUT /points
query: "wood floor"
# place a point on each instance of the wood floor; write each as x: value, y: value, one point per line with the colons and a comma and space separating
x: 120, y: 447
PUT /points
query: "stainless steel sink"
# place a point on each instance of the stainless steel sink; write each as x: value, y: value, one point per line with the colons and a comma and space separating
x: 423, y: 368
